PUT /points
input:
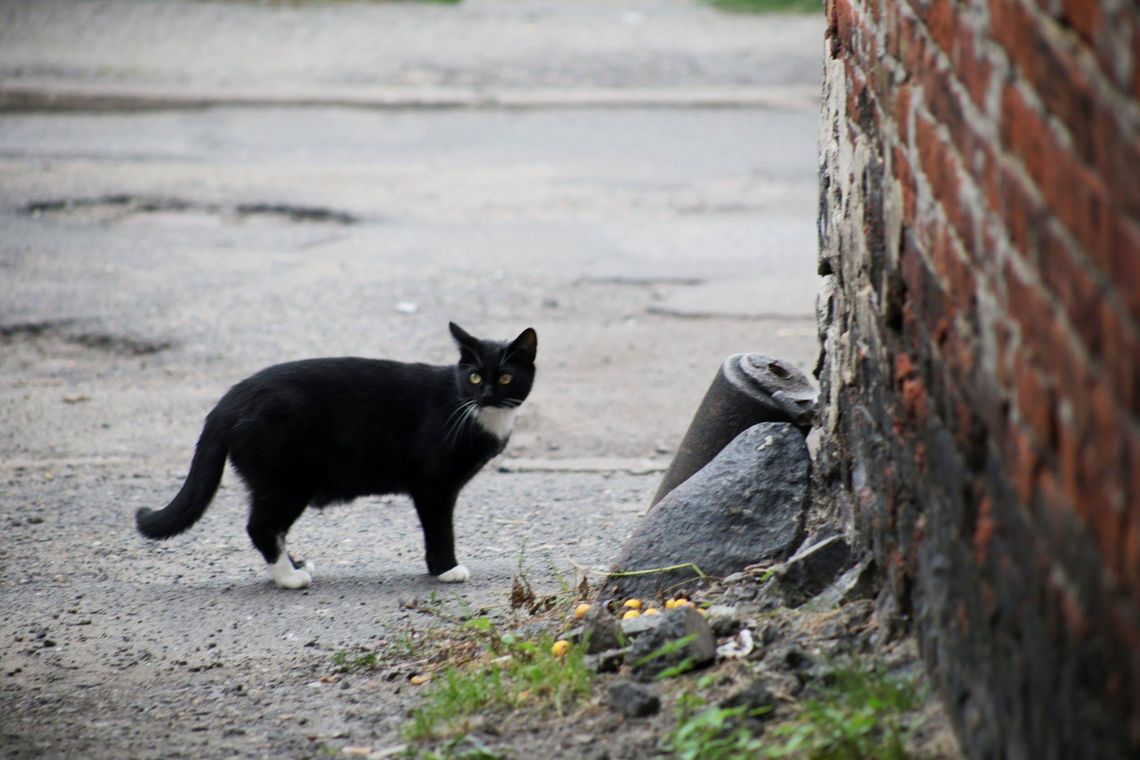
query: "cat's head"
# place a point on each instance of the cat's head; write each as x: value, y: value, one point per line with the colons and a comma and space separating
x: 495, y: 373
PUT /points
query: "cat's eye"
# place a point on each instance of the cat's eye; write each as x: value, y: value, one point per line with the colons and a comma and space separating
x: 475, y: 378
x: 505, y: 379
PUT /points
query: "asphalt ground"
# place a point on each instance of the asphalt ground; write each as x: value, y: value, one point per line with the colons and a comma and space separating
x: 154, y: 253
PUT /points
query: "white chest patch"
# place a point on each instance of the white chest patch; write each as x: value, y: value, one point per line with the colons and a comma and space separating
x: 497, y: 421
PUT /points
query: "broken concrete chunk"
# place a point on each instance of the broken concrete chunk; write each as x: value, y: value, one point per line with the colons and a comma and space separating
x: 744, y: 507
x: 812, y: 569
x: 682, y: 636
x: 633, y: 700
x: 752, y: 697
x: 600, y: 630
x: 858, y: 582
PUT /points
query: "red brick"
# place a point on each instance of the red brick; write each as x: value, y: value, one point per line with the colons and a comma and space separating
x: 1083, y: 16
x: 915, y: 401
x: 1115, y: 156
x: 1074, y: 192
x: 912, y: 43
x: 1022, y: 462
x: 875, y: 10
x: 1037, y: 318
x: 1136, y: 61
x: 1120, y: 355
x: 942, y: 23
x: 962, y: 282
x: 951, y: 32
x: 1104, y: 452
x: 930, y: 150
x: 1036, y: 400
x: 943, y: 170
x: 1054, y: 510
x: 1125, y: 268
x: 1069, y: 435
x: 974, y: 71
x: 904, y: 174
x: 1003, y: 339
x: 904, y: 367
x: 985, y: 527
x: 1025, y: 133
x: 900, y: 111
x: 840, y: 26
x: 1044, y: 65
x: 1131, y: 560
x: 1076, y: 619
x: 1021, y: 214
x: 1074, y: 285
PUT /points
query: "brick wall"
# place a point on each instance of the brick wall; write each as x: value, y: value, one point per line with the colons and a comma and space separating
x: 980, y: 249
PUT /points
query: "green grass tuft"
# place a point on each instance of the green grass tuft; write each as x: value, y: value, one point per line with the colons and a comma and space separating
x: 525, y: 675
x: 860, y: 714
x: 352, y: 662
x: 769, y: 6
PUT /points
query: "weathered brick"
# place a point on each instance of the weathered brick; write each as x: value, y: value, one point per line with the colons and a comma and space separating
x: 905, y: 176
x: 1036, y: 400
x: 1120, y: 354
x: 1000, y: 384
x: 1020, y: 212
x: 1073, y: 283
x: 1125, y: 269
x: 985, y: 527
x: 1084, y: 16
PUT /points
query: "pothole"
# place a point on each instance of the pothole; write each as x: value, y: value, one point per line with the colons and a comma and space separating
x: 62, y: 331
x: 117, y: 207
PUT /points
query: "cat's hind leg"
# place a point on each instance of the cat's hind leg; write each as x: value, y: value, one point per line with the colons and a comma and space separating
x: 269, y: 521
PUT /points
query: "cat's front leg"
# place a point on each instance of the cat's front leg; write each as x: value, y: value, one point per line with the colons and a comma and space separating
x: 435, y: 513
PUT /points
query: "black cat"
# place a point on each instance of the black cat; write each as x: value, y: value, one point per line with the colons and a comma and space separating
x: 319, y: 431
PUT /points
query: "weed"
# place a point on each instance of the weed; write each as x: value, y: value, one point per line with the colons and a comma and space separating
x: 352, y: 662
x: 714, y: 733
x: 523, y: 675
x: 523, y: 595
x: 769, y: 6
x: 858, y: 715
x: 463, y: 748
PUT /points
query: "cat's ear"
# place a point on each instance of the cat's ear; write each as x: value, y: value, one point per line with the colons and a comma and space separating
x: 526, y: 344
x: 466, y: 341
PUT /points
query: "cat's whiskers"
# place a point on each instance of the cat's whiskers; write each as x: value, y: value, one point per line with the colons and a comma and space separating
x: 461, y: 416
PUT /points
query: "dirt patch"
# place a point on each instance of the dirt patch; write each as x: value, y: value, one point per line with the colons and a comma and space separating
x: 810, y: 677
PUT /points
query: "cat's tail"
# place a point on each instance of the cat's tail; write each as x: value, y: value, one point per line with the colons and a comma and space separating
x: 196, y: 493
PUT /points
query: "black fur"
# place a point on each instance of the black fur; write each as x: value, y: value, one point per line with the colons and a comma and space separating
x: 319, y: 431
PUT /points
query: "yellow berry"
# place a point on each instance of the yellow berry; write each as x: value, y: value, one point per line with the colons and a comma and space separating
x: 633, y: 604
x: 650, y: 611
x: 581, y: 610
x: 560, y: 648
x: 630, y: 615
x: 420, y: 680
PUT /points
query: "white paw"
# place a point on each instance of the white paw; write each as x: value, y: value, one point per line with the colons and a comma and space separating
x: 457, y: 574
x: 287, y: 576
